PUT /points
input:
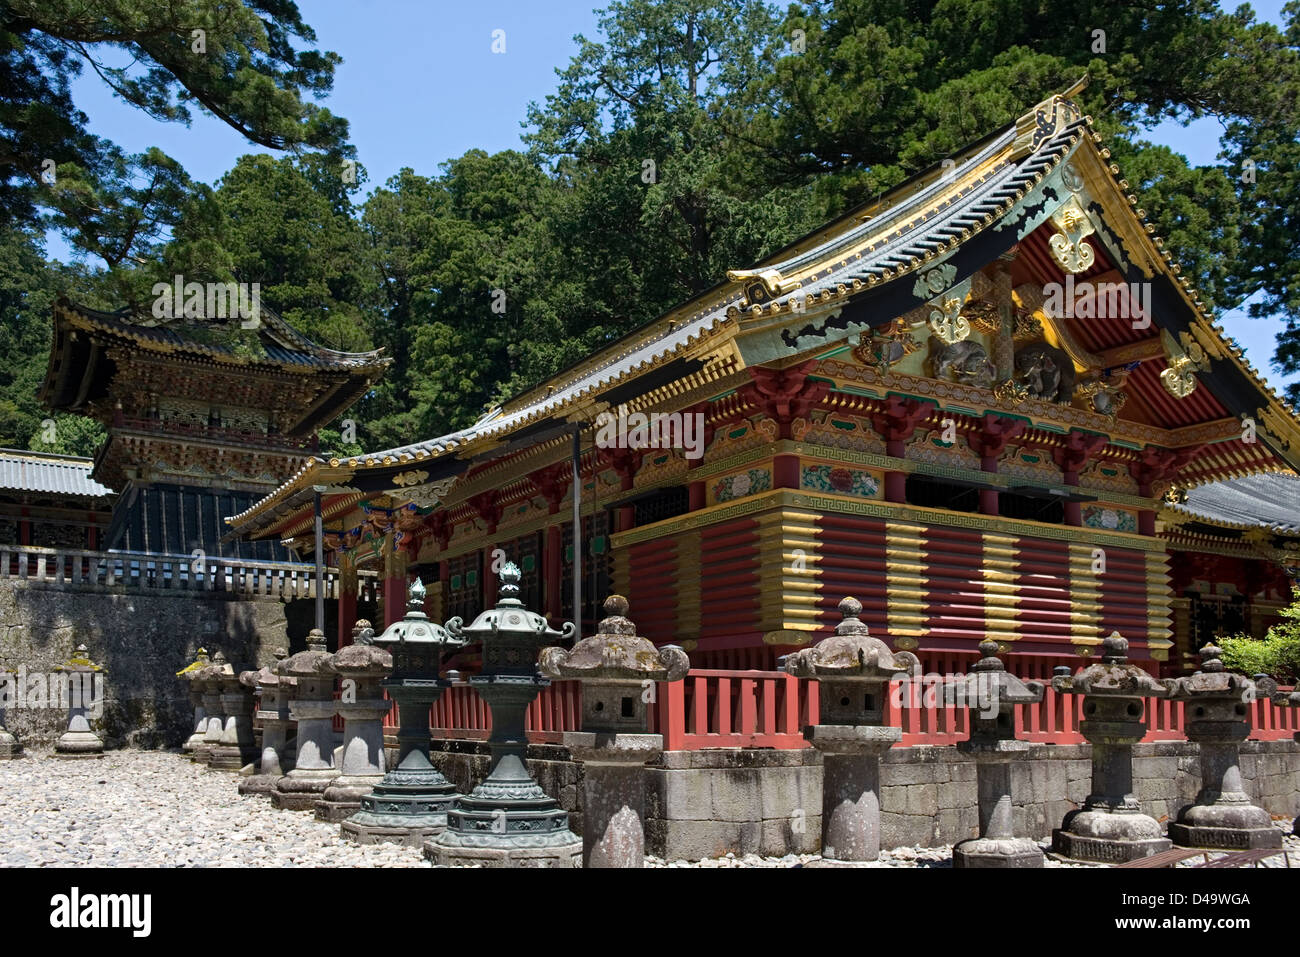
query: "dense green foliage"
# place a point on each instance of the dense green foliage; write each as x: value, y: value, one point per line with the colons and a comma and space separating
x: 691, y: 137
x: 1276, y: 654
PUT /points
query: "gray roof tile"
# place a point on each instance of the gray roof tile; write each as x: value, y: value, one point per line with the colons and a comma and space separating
x: 1271, y: 500
x: 50, y: 474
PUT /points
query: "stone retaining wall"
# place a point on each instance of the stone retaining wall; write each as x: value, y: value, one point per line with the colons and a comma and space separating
x: 706, y: 803
x: 143, y: 638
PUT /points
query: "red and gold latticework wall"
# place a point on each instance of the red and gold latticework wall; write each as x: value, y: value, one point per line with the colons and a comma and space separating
x: 772, y: 579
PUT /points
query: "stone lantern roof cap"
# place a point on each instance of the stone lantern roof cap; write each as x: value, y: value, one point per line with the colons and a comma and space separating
x: 989, y: 680
x: 362, y: 659
x: 849, y: 653
x: 79, y: 662
x: 310, y: 663
x: 1113, y: 676
x: 1211, y: 681
x: 615, y: 653
x: 416, y: 627
x: 265, y: 676
x: 509, y: 620
x: 201, y: 661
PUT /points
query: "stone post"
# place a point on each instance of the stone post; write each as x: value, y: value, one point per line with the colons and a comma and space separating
x: 273, y: 712
x: 410, y: 805
x: 9, y: 746
x: 618, y: 670
x: 508, y: 820
x: 209, y: 682
x: 236, y: 746
x: 362, y: 667
x: 1291, y: 699
x: 1110, y: 827
x: 854, y: 670
x: 313, y: 707
x: 990, y: 695
x: 188, y: 675
x: 83, y: 697
x: 1215, y: 718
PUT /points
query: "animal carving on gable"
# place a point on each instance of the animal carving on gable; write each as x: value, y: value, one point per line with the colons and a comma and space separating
x: 1047, y: 372
x: 966, y: 362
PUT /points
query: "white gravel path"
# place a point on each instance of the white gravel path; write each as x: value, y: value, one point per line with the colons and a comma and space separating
x: 155, y: 808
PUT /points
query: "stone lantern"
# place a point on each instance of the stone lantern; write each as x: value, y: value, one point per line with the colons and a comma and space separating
x: 854, y: 670
x: 313, y: 707
x: 410, y: 805
x: 1110, y: 827
x: 618, y: 670
x: 273, y: 712
x: 79, y: 741
x: 208, y: 681
x: 362, y: 667
x: 508, y: 820
x: 990, y: 695
x: 9, y: 746
x: 236, y: 747
x: 188, y: 674
x: 1215, y: 718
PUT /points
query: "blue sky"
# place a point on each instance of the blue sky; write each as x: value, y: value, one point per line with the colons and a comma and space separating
x: 419, y: 84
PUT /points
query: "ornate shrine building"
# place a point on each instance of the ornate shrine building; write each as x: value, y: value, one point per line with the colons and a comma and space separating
x: 973, y: 404
x: 200, y: 424
x: 50, y: 501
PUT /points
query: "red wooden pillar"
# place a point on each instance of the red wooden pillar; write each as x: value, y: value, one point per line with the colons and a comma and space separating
x: 394, y: 586
x: 552, y: 572
x: 785, y: 471
x: 895, y: 423
x: 696, y: 494
x: 625, y: 518
x: 990, y: 441
x: 347, y: 598
x: 1079, y: 447
x: 490, y: 581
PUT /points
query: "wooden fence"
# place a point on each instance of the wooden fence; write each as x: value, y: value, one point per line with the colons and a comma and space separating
x: 769, y: 709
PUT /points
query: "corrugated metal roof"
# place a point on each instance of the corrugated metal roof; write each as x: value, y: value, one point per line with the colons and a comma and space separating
x: 52, y: 474
x: 1271, y: 500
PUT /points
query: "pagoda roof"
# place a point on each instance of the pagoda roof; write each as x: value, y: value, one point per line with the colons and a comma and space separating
x: 48, y: 474
x: 874, y: 264
x: 85, y: 338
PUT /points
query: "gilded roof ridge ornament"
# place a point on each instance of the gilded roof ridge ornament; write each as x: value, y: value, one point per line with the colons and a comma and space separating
x: 761, y: 285
x: 1046, y: 119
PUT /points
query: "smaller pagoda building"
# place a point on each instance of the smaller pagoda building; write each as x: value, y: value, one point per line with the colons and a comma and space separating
x: 51, y: 501
x: 203, y: 417
x: 1234, y: 550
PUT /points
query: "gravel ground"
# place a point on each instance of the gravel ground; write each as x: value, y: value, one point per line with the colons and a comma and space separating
x: 155, y: 808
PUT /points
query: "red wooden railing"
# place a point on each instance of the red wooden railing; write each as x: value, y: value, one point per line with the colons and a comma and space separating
x: 769, y: 709
x: 734, y: 709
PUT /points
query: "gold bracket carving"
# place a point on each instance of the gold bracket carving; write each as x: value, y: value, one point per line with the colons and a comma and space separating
x: 1186, y: 358
x: 1068, y: 246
